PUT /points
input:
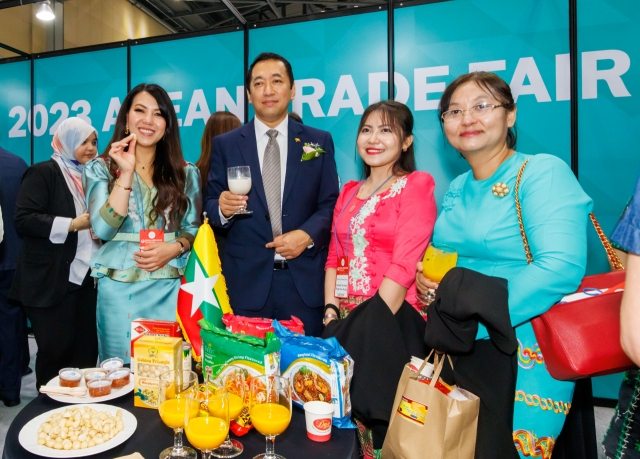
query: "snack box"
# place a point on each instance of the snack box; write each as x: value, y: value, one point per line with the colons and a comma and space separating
x: 151, y: 327
x: 154, y: 355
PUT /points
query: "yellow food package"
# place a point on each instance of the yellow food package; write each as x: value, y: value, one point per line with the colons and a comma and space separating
x: 154, y: 355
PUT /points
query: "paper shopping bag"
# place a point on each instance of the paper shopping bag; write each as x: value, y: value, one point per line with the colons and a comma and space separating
x: 427, y: 424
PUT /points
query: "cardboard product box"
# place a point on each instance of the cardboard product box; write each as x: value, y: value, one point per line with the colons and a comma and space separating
x: 154, y: 355
x: 151, y: 327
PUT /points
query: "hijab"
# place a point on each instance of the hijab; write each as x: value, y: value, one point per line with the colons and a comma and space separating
x: 71, y: 133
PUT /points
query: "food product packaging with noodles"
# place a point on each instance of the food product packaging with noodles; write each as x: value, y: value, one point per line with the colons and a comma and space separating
x: 255, y: 356
x: 319, y: 369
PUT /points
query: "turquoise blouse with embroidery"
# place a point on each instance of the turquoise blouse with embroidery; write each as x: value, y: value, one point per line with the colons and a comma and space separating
x: 484, y: 230
x: 115, y: 258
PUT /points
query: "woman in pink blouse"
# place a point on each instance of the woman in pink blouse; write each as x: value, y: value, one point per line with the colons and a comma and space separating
x: 381, y: 225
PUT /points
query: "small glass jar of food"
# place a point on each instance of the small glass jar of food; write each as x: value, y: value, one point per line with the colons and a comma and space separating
x: 70, y: 377
x: 99, y: 387
x: 119, y: 378
x: 112, y: 364
x: 94, y: 373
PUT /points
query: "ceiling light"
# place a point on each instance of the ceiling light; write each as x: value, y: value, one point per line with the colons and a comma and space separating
x: 45, y: 13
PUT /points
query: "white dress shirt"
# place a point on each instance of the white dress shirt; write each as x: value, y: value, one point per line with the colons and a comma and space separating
x: 262, y: 139
x: 85, y: 249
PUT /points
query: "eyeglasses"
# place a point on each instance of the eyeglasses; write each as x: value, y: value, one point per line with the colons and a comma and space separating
x: 476, y: 111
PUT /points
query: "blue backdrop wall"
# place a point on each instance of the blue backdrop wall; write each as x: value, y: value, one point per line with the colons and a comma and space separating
x: 341, y: 66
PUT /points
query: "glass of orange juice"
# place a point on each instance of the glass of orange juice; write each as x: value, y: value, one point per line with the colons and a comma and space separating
x: 177, y: 403
x: 232, y: 379
x: 270, y: 402
x: 437, y: 261
x: 209, y: 430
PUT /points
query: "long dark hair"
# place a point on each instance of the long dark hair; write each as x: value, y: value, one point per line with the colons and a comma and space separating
x: 168, y: 165
x: 399, y: 118
x: 491, y: 84
x: 218, y: 123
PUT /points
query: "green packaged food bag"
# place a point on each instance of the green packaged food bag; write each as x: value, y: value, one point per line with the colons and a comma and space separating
x: 256, y: 356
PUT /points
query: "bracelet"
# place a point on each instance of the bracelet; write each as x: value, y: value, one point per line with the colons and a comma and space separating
x: 72, y: 227
x: 334, y: 307
x: 115, y: 182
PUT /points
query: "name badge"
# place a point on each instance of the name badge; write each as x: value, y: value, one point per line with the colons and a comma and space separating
x: 150, y: 236
x: 342, y: 278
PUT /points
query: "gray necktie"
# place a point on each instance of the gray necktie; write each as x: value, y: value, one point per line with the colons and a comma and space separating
x: 272, y: 182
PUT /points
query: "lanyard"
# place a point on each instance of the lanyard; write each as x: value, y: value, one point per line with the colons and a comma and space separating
x: 335, y: 228
x: 141, y: 198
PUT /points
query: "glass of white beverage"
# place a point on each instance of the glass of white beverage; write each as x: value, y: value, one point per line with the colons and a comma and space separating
x: 239, y: 181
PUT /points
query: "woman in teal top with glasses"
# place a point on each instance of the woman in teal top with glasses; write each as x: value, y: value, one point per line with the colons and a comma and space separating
x: 478, y: 218
x: 141, y: 188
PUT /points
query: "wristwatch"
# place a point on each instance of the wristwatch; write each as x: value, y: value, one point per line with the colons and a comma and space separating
x: 327, y: 317
x: 181, y: 248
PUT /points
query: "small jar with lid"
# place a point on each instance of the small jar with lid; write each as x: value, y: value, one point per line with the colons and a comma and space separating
x: 70, y: 377
x: 112, y: 364
x: 120, y: 377
x: 94, y: 373
x: 99, y: 387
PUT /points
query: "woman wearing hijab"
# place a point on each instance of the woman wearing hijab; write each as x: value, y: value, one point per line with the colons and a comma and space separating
x: 52, y: 279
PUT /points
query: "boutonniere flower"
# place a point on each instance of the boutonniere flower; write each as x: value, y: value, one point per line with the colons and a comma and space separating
x: 311, y: 151
x: 297, y: 140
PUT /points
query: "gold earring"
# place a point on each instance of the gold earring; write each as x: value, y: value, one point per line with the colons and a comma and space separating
x: 126, y: 129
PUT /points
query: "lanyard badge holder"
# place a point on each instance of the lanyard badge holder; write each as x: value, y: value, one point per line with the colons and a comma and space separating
x: 342, y: 270
x: 147, y: 236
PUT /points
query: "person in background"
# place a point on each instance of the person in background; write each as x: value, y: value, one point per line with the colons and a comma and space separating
x: 52, y: 280
x: 275, y: 256
x: 218, y: 123
x: 139, y: 189
x: 479, y: 220
x: 295, y: 117
x: 12, y: 318
x: 382, y: 226
x: 623, y: 436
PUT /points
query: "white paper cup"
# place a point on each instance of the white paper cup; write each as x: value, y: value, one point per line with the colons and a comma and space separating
x: 319, y: 419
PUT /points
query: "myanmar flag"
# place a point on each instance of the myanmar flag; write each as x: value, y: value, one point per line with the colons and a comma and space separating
x: 203, y: 293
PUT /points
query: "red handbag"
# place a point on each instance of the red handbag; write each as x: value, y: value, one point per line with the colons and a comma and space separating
x: 581, y: 339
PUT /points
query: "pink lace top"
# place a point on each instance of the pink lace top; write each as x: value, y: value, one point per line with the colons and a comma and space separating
x: 387, y: 236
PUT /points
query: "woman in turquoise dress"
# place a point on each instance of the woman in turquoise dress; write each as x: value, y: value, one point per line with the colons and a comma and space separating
x: 478, y: 218
x: 141, y: 183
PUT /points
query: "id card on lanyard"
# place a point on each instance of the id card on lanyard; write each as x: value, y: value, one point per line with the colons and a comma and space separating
x: 147, y: 236
x: 342, y: 278
x: 342, y: 270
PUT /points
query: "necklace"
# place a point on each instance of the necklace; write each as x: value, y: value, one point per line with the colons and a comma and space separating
x: 143, y: 167
x: 374, y: 192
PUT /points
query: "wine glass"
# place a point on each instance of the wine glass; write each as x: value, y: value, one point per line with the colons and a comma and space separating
x: 208, y: 430
x: 239, y: 181
x: 176, y: 402
x: 270, y: 401
x: 230, y: 378
x: 437, y: 261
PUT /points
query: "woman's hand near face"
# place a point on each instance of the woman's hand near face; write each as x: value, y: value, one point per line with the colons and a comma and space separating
x: 126, y: 160
x: 422, y: 283
x: 156, y: 255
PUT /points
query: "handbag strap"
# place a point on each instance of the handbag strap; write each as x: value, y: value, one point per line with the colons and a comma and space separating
x: 525, y: 241
x: 611, y: 254
x: 604, y: 240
